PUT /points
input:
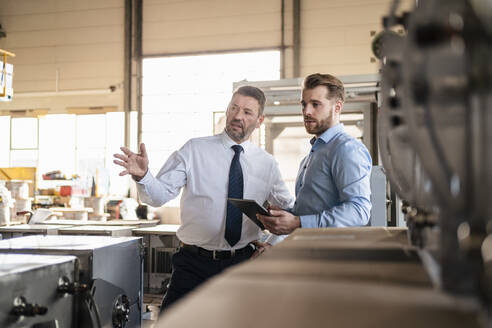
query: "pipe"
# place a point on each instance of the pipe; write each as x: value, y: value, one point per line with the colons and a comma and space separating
x: 297, y: 37
x: 127, y: 83
x: 138, y: 57
x: 282, y: 39
x: 65, y: 93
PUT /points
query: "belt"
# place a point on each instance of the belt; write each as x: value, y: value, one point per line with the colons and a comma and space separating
x: 217, y: 255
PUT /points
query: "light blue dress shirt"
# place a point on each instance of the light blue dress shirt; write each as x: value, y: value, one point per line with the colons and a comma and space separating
x: 333, y: 183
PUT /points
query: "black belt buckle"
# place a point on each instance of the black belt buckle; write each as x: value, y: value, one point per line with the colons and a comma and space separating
x: 216, y: 254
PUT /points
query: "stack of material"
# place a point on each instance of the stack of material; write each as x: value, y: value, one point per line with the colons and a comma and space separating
x: 349, y: 277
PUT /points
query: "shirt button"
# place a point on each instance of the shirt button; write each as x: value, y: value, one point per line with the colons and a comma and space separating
x: 301, y: 185
x: 305, y: 166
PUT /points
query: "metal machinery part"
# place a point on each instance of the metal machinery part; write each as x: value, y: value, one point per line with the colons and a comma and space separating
x: 8, y: 232
x: 444, y: 92
x: 161, y: 250
x: 32, y: 293
x: 160, y: 244
x: 109, y: 276
x: 121, y: 311
x: 88, y: 230
x: 400, y: 160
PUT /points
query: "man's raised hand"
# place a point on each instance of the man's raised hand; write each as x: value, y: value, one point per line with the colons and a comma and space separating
x: 134, y: 164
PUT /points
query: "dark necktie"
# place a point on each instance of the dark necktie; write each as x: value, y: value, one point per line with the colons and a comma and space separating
x: 234, y: 217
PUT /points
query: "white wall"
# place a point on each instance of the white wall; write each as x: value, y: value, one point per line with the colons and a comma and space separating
x: 203, y: 25
x: 336, y: 35
x: 80, y: 41
x: 83, y: 41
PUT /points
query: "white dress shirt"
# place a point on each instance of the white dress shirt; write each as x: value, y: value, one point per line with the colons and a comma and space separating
x: 201, y: 166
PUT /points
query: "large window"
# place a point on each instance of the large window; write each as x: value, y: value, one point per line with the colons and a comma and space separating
x: 4, y: 141
x: 73, y: 144
x: 181, y: 94
x: 24, y: 141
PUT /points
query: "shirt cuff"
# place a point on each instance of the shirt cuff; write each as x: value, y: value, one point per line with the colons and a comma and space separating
x: 309, y: 221
x: 275, y: 239
x: 264, y: 236
x: 146, y: 179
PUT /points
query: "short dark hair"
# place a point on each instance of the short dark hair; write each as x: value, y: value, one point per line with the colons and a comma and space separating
x: 333, y: 84
x: 253, y: 92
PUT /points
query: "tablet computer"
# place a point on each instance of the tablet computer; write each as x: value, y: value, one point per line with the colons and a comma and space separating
x: 250, y: 208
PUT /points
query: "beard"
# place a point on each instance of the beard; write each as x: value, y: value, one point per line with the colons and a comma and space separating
x: 235, y: 134
x: 316, y: 127
x: 239, y: 134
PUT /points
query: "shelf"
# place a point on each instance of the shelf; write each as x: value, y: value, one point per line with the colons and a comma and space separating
x: 58, y: 182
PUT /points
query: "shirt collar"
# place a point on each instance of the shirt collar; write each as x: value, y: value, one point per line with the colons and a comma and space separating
x: 328, y: 135
x: 228, y: 142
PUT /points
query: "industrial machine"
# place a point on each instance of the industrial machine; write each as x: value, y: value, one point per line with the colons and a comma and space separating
x: 400, y: 160
x: 35, y: 291
x: 435, y: 136
x: 160, y: 245
x: 108, y: 272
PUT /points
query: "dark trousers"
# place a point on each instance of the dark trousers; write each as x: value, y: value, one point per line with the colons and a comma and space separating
x: 190, y: 270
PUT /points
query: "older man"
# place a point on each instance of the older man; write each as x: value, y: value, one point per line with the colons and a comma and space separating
x: 213, y: 233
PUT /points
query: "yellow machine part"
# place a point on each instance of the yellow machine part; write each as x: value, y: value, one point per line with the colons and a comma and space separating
x: 20, y: 173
